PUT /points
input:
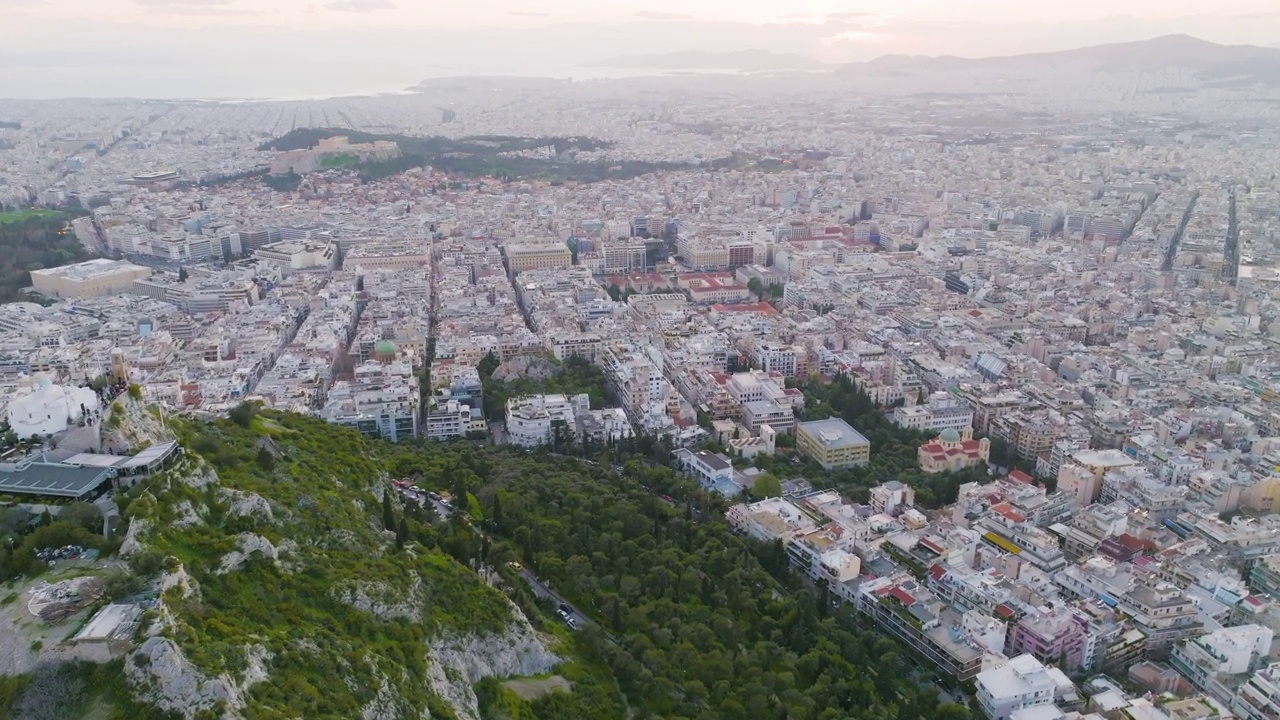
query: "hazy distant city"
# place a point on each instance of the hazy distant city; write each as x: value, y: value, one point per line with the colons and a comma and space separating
x: 1055, y: 277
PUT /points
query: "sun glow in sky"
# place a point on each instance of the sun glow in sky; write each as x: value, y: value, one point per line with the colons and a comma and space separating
x: 496, y: 13
x: 189, y: 48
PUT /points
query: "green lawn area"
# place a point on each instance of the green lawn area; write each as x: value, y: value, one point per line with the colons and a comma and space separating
x: 16, y: 216
x: 338, y: 161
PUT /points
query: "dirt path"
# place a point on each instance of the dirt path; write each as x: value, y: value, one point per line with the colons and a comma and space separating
x: 15, y: 646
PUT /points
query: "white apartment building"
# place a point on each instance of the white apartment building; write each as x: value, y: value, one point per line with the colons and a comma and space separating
x: 746, y: 387
x: 710, y: 468
x: 1211, y: 661
x: 702, y: 255
x: 759, y: 413
x: 532, y: 419
x: 636, y: 381
x: 448, y: 420
x: 174, y: 245
x: 776, y: 357
x: 824, y: 558
x: 891, y: 497
x: 290, y: 256
x: 1023, y: 682
x: 769, y: 520
x: 605, y: 426
x: 391, y: 413
x: 941, y: 411
x: 574, y: 344
x: 624, y: 258
x: 1259, y: 698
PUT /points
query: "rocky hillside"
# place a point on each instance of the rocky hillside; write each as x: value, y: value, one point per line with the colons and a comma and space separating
x: 283, y: 596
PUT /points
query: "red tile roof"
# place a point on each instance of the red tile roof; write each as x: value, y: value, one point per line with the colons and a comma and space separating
x: 903, y: 596
x: 1130, y: 542
x: 1007, y: 510
x: 1019, y: 476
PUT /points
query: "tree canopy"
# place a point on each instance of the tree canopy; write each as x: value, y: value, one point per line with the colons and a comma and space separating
x: 894, y: 450
x: 33, y: 240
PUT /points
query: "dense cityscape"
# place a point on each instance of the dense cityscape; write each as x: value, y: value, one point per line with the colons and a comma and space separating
x: 996, y: 376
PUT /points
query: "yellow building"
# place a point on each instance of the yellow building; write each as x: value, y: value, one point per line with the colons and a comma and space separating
x: 1262, y: 496
x: 833, y: 443
x: 539, y: 256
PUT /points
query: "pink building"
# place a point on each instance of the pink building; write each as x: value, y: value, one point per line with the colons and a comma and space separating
x: 1053, y: 636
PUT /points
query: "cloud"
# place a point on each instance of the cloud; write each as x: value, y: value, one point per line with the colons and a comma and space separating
x: 205, y: 11
x: 854, y: 36
x: 827, y: 16
x: 184, y: 3
x: 525, y: 13
x: 360, y: 5
x: 196, y: 7
x: 653, y: 15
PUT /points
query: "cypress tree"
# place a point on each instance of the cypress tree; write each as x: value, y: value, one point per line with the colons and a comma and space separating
x: 388, y: 515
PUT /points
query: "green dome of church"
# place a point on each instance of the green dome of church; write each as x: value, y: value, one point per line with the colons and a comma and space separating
x: 949, y: 436
x: 385, y: 347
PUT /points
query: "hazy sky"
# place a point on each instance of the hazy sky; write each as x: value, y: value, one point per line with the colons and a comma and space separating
x: 195, y: 48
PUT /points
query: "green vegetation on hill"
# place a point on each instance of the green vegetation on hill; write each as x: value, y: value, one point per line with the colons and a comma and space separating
x: 321, y: 489
x: 287, y: 182
x: 18, y: 553
x: 304, y: 138
x: 74, y: 690
x: 576, y: 376
x: 17, y: 216
x: 32, y: 240
x: 694, y: 621
x: 684, y: 619
x: 339, y: 161
x: 478, y: 156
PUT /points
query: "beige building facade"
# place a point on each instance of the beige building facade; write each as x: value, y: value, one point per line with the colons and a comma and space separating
x: 92, y: 278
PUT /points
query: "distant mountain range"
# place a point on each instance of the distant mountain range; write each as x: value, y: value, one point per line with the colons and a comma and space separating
x: 1177, y: 60
x: 1172, y: 63
x: 744, y: 60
